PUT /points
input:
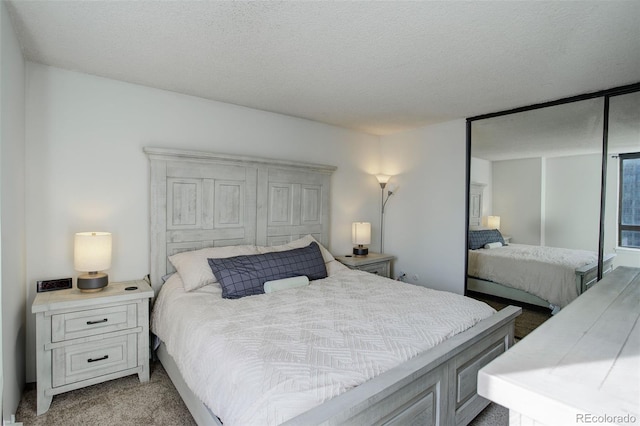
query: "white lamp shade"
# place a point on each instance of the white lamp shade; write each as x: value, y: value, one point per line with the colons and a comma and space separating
x: 493, y: 222
x: 383, y: 178
x: 361, y: 233
x: 92, y: 251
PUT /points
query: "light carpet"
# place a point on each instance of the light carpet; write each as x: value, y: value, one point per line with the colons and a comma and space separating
x: 127, y: 402
x: 123, y: 401
x: 529, y: 320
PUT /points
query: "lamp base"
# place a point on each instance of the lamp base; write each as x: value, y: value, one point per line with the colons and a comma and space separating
x: 360, y: 251
x: 92, y: 282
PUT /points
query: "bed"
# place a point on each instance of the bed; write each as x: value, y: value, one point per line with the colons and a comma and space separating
x: 545, y: 276
x: 231, y: 208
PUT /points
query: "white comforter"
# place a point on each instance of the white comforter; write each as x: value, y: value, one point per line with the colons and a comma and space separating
x: 264, y: 359
x: 547, y: 272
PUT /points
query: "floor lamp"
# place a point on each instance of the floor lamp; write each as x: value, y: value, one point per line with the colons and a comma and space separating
x: 383, y: 180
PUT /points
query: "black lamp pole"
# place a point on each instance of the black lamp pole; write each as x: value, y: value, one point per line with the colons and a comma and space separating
x: 384, y: 203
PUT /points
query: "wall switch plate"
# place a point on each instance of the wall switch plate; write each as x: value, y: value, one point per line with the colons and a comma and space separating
x: 51, y: 285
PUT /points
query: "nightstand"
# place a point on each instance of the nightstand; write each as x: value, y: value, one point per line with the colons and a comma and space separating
x: 376, y: 263
x: 87, y: 338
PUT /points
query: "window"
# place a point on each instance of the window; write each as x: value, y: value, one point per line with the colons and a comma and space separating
x: 629, y: 201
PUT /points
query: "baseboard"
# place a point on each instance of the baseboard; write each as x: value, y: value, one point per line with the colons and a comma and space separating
x: 11, y: 422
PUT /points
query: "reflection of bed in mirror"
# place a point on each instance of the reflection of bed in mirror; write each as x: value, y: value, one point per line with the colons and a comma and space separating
x: 542, y: 173
x: 204, y: 203
x: 544, y: 276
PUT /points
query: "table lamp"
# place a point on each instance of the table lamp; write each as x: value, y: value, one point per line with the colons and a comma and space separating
x: 361, y: 236
x: 92, y: 255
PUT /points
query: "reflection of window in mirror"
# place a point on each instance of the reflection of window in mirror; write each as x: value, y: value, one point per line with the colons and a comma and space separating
x: 629, y: 201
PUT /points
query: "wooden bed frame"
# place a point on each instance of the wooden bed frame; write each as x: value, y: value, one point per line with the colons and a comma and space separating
x: 586, y: 276
x: 202, y: 200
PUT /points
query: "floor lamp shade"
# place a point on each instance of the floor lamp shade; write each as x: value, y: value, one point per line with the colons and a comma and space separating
x: 361, y: 236
x: 92, y: 255
x: 383, y: 180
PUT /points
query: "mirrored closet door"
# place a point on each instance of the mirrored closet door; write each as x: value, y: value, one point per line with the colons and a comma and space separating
x: 537, y: 177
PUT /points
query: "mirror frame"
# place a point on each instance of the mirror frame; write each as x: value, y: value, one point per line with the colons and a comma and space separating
x: 606, y: 94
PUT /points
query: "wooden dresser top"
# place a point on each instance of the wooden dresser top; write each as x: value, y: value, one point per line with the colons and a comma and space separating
x: 585, y: 361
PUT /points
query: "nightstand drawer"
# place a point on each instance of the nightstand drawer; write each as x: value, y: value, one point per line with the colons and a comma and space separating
x: 376, y: 268
x: 82, y: 361
x: 89, y: 323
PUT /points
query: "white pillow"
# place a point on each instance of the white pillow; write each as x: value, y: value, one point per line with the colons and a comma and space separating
x: 285, y: 284
x: 493, y: 245
x: 193, y: 266
x: 299, y: 243
x: 334, y: 267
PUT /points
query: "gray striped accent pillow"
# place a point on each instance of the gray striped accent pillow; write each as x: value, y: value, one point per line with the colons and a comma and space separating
x: 242, y: 276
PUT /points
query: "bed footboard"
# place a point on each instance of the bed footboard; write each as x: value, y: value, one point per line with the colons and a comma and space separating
x: 437, y: 387
x: 587, y: 275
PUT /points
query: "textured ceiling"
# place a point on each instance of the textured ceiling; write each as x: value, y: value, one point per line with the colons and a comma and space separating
x: 377, y: 67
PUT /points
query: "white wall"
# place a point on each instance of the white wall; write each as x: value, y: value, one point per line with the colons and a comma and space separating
x: 572, y: 214
x: 549, y: 201
x: 425, y: 219
x: 12, y: 212
x: 481, y: 172
x: 86, y: 169
x: 517, y: 199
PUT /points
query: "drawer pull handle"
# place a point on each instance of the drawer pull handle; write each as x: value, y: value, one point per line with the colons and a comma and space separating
x: 97, y: 322
x: 98, y: 359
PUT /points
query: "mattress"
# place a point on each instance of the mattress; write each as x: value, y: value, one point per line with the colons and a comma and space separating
x: 265, y: 359
x: 547, y: 272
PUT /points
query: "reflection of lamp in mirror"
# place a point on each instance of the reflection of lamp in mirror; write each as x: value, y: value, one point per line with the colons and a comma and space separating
x: 361, y: 235
x: 493, y: 222
x: 92, y: 254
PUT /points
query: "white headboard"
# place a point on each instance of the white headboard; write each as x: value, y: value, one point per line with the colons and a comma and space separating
x: 201, y: 199
x: 476, y: 195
